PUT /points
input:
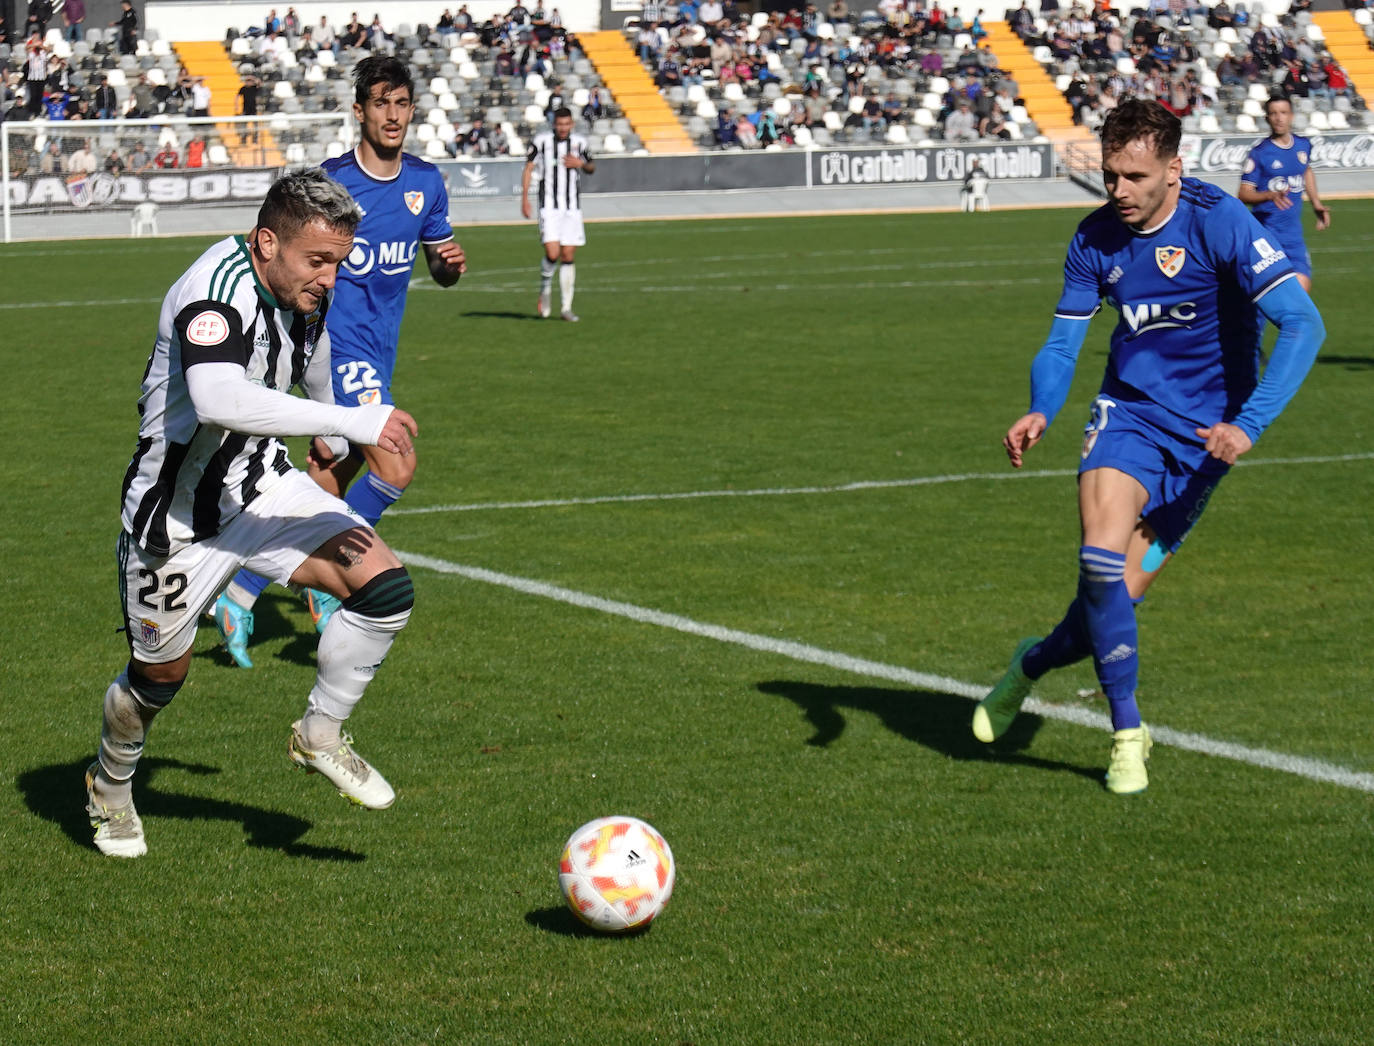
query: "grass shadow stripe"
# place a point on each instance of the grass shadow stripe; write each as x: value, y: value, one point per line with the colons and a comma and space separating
x: 1312, y: 769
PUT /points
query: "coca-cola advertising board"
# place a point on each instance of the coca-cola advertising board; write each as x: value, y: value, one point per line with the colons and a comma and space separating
x: 1334, y: 151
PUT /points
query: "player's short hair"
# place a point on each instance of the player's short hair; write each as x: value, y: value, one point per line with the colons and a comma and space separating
x: 1136, y: 119
x: 381, y: 69
x: 562, y: 110
x: 1276, y: 98
x: 300, y: 197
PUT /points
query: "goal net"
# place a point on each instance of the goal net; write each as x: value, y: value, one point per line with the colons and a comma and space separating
x: 81, y: 167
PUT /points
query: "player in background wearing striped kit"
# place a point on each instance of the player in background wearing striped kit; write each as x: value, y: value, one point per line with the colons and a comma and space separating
x: 561, y: 159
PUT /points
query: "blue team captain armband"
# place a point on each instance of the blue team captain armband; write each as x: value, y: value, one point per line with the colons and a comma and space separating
x: 1052, y: 369
x: 1301, y: 332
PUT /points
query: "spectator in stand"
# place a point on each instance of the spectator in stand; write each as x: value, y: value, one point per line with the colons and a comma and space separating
x: 324, y: 36
x: 114, y: 163
x: 73, y: 17
x: 354, y: 33
x: 960, y: 125
x: 271, y: 24
x: 51, y: 160
x: 592, y: 111
x: 200, y: 97
x: 726, y: 134
x: 994, y: 125
x: 36, y: 59
x: 669, y: 70
x: 498, y: 142
x: 139, y: 160
x: 291, y: 24
x: 872, y: 113
x: 127, y: 23
x: 504, y: 66
x: 1021, y: 21
x: 55, y: 105
x: 82, y: 159
x: 106, y: 101
x: 711, y: 13
x: 1337, y: 81
x: 36, y: 21
x: 195, y: 152
x: 166, y: 158
x: 462, y: 21
x: 476, y: 139
x: 1294, y: 83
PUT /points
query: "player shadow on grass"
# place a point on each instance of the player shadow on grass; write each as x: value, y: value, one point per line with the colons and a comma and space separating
x: 496, y: 314
x: 272, y: 619
x: 1348, y: 362
x: 935, y: 720
x: 57, y: 793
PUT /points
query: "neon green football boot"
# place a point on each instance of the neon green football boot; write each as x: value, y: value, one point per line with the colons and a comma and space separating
x: 995, y: 713
x: 1130, y: 752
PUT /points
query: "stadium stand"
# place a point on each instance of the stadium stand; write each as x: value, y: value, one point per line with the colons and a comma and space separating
x: 892, y: 75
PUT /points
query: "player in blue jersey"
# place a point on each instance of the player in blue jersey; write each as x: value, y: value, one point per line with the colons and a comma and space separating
x: 1192, y: 274
x: 1277, y: 173
x: 405, y: 208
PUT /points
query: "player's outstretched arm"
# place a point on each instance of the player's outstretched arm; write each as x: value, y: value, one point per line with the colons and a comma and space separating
x: 222, y: 395
x: 447, y: 262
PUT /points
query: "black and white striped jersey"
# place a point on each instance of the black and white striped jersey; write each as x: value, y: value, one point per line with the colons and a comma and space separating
x: 559, y: 186
x: 189, y: 478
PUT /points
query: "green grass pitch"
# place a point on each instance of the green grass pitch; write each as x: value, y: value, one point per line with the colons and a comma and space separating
x: 853, y: 866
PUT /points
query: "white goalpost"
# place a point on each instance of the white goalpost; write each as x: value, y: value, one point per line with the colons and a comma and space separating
x: 71, y: 170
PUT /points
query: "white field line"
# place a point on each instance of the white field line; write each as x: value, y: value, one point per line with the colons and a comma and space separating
x: 1311, y: 769
x: 839, y: 488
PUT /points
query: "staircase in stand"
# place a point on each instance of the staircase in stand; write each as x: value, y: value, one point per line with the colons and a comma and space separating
x: 634, y: 91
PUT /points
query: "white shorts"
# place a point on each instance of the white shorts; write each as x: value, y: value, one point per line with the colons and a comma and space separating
x: 560, y: 225
x: 273, y: 536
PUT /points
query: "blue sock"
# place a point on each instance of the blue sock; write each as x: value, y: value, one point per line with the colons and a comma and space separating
x: 1066, y: 645
x: 252, y: 584
x: 370, y: 497
x: 1109, y: 616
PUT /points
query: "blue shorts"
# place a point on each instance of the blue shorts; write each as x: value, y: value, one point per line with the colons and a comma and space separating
x: 1176, y: 471
x: 360, y: 379
x: 1293, y: 245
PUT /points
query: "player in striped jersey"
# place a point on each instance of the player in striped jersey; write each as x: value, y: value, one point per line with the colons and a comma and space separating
x: 210, y: 488
x: 561, y: 159
x: 1191, y: 273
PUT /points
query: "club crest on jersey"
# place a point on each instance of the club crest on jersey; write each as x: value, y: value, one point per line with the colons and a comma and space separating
x: 1170, y: 260
x: 415, y: 201
x: 1302, y: 156
x: 147, y: 631
x: 369, y: 396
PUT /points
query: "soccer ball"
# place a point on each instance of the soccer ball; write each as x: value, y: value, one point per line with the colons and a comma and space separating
x: 616, y: 874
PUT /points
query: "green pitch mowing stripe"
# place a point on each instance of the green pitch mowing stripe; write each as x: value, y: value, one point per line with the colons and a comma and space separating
x: 1312, y: 769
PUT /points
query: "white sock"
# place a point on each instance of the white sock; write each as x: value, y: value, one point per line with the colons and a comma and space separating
x: 123, y: 730
x: 546, y: 268
x: 567, y: 276
x: 351, y: 650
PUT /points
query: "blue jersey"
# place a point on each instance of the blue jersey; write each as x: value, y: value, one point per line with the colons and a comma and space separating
x: 1185, y: 352
x: 370, y: 296
x: 1270, y: 166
